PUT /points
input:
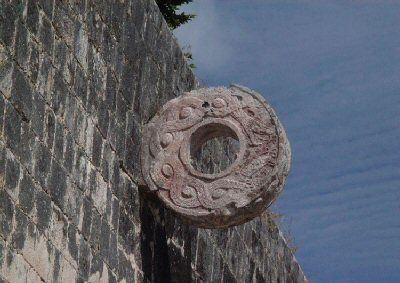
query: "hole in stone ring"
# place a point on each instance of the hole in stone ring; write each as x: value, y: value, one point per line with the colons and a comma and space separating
x: 213, y: 148
x: 206, y: 104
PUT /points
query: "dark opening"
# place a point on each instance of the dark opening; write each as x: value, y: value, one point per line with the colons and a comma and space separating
x: 213, y: 148
x: 206, y: 104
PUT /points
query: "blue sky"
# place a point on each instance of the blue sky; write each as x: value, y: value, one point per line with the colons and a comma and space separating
x: 332, y: 73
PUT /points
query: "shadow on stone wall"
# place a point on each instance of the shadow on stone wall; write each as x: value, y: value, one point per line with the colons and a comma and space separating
x: 173, y: 251
x: 154, y: 249
x: 162, y: 260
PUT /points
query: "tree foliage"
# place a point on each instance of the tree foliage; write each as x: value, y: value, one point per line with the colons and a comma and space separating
x: 188, y: 56
x: 170, y: 8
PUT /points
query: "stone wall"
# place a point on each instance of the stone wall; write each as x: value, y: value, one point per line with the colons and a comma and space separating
x: 77, y: 81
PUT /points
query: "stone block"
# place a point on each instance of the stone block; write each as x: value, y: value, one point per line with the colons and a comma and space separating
x: 73, y: 241
x: 15, y: 269
x: 63, y: 23
x: 99, y: 74
x: 95, y: 230
x: 79, y: 172
x: 73, y: 200
x: 57, y: 184
x: 22, y: 46
x: 103, y: 117
x: 97, y: 147
x: 20, y: 232
x: 85, y: 254
x: 217, y: 267
x: 112, y: 132
x: 124, y: 226
x: 117, y: 17
x: 116, y: 179
x: 32, y: 19
x: 111, y: 90
x: 128, y: 79
x: 96, y: 25
x: 58, y: 149
x: 130, y: 199
x: 108, y: 47
x: 130, y: 39
x: 7, y: 212
x: 133, y: 274
x: 97, y: 270
x: 71, y: 107
x: 41, y: 256
x: 58, y: 229
x: 113, y: 251
x: 132, y: 146
x: 42, y: 161
x: 12, y: 175
x: 107, y: 161
x: 37, y: 120
x: 24, y: 150
x: 59, y: 94
x: 48, y: 7
x: 120, y: 137
x: 104, y: 238
x: 61, y: 53
x: 86, y: 215
x: 227, y: 275
x: 69, y: 153
x: 26, y: 193
x: 112, y: 278
x: 2, y: 162
x: 7, y: 25
x: 98, y: 192
x: 43, y: 210
x: 46, y: 35
x: 80, y: 127
x: 68, y: 272
x: 33, y: 69
x: 107, y: 214
x: 90, y: 133
x: 122, y: 262
x: 45, y: 77
x: 180, y: 266
x: 79, y: 9
x: 115, y: 213
x: 49, y: 127
x: 80, y: 85
x: 150, y: 36
x: 12, y: 127
x: 2, y: 107
x: 138, y: 15
x: 204, y: 259
x: 6, y: 70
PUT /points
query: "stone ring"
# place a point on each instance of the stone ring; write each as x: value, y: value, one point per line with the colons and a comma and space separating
x: 231, y: 196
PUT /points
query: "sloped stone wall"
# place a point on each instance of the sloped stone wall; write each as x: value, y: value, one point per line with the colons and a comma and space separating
x: 252, y: 252
x: 77, y: 81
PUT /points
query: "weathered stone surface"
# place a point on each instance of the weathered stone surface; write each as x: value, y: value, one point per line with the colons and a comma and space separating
x: 78, y: 79
x: 241, y: 191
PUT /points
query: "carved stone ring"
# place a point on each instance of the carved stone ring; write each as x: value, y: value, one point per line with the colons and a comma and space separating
x: 230, y: 197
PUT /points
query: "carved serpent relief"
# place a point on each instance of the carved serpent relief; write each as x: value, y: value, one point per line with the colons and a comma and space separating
x: 241, y: 191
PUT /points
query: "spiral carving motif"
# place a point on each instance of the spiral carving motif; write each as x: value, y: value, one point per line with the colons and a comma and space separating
x: 240, y: 192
